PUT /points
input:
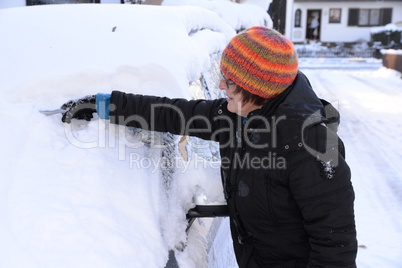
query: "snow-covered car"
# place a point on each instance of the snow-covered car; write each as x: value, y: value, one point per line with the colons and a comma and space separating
x: 93, y: 194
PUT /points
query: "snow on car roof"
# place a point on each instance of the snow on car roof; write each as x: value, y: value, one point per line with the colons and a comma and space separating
x: 239, y: 16
x: 59, y: 40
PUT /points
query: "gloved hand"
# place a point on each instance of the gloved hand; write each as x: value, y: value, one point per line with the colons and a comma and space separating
x: 82, y: 109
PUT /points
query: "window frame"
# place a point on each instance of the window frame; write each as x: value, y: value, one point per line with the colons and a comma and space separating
x: 369, y: 15
x: 384, y: 16
x: 338, y: 15
x: 298, y: 15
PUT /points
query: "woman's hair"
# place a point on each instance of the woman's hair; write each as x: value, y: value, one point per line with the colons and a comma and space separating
x: 250, y: 97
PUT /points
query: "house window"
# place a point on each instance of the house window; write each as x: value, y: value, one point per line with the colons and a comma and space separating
x: 335, y: 15
x: 369, y: 17
x: 364, y: 15
x: 49, y: 2
x: 298, y: 18
x: 374, y: 17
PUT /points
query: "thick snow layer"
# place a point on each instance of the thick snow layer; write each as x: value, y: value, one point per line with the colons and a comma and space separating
x: 239, y: 16
x: 387, y: 28
x: 92, y: 194
x: 391, y: 51
x: 115, y: 43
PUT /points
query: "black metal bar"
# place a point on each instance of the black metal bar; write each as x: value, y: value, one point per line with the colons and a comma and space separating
x: 205, y: 211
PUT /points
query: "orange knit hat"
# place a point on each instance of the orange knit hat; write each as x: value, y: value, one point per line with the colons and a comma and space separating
x: 260, y: 60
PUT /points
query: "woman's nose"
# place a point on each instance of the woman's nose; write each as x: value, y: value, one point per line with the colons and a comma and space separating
x: 222, y: 85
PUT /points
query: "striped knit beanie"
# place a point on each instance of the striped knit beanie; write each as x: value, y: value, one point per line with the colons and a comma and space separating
x: 260, y: 60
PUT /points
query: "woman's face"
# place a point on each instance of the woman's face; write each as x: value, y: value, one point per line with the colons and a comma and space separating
x: 235, y: 104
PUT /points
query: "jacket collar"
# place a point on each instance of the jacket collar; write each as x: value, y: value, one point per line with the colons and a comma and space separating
x: 297, y: 101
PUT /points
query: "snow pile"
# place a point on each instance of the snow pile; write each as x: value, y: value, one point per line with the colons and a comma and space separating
x: 91, y: 194
x: 391, y: 51
x: 239, y: 16
x: 391, y: 27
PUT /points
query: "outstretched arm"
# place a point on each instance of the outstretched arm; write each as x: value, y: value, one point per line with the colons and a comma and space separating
x: 198, y: 118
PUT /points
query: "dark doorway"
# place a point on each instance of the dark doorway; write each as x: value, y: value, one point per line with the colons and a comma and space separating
x: 313, y: 31
x: 277, y: 11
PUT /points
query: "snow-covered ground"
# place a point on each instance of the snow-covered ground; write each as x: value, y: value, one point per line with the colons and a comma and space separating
x: 371, y: 127
x: 95, y: 195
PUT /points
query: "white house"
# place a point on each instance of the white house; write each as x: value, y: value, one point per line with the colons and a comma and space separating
x: 339, y: 21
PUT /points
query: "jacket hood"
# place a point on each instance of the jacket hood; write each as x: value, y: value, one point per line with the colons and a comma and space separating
x: 297, y: 101
x: 294, y: 111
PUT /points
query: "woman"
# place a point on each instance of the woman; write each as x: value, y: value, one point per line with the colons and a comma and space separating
x: 285, y: 178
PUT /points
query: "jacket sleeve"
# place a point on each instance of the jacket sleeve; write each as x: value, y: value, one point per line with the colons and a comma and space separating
x: 325, y: 197
x: 177, y: 116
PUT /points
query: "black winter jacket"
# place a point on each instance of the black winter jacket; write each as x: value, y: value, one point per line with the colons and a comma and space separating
x: 285, y: 178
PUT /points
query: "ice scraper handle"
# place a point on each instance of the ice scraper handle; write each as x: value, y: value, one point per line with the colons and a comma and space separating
x: 82, y: 109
